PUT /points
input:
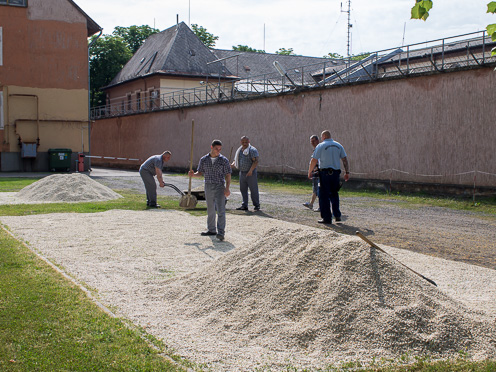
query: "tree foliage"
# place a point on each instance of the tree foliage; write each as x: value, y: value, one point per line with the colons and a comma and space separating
x: 246, y: 48
x: 206, y: 37
x: 134, y: 36
x: 354, y: 57
x: 285, y: 52
x: 110, y: 53
x: 421, y: 9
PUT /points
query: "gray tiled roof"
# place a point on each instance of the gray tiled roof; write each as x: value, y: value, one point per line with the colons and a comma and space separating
x: 251, y: 64
x: 174, y: 51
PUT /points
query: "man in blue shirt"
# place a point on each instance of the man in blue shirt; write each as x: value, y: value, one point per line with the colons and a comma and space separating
x: 216, y: 169
x: 329, y: 155
x: 150, y: 168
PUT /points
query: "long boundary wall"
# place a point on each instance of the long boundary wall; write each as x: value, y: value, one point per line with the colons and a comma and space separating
x: 430, y: 129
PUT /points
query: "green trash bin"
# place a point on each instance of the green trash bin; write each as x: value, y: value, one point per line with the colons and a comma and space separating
x: 60, y: 160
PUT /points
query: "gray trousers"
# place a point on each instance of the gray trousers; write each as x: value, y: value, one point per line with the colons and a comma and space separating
x: 251, y: 183
x: 150, y: 186
x: 216, y: 204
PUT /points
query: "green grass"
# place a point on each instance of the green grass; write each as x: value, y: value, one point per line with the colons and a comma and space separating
x: 12, y: 184
x: 48, y: 324
x: 129, y: 201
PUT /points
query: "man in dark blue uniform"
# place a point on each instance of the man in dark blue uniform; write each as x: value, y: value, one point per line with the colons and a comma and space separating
x: 329, y: 155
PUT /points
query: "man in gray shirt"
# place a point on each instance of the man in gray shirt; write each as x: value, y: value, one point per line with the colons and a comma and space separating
x: 246, y: 160
x: 150, y: 168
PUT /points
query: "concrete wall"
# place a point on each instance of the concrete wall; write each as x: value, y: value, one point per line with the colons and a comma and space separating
x: 430, y: 129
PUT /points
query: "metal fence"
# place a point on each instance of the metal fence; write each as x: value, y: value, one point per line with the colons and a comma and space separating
x: 450, y: 54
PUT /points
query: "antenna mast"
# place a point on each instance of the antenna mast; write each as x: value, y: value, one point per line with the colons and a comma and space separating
x: 349, y: 27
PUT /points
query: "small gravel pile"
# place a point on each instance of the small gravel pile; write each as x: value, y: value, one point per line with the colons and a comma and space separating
x: 75, y: 187
x: 322, y: 299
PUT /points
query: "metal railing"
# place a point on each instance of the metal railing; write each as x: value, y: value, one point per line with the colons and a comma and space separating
x: 435, y: 56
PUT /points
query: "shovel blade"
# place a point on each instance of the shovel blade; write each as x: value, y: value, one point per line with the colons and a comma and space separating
x: 188, y: 201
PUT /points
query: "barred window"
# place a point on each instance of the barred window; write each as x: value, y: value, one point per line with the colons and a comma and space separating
x: 23, y: 3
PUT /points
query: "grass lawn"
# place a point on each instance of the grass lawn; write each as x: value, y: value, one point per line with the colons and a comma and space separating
x: 49, y: 324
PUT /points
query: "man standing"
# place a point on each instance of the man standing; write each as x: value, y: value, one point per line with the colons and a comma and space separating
x: 246, y: 160
x: 329, y: 153
x: 150, y: 168
x: 216, y: 169
x: 314, y: 141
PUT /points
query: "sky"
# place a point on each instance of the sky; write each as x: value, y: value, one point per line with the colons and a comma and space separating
x: 311, y: 27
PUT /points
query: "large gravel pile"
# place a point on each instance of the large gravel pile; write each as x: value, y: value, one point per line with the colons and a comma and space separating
x: 321, y: 298
x: 75, y: 187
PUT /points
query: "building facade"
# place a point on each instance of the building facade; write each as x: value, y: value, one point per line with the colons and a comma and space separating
x: 43, y: 81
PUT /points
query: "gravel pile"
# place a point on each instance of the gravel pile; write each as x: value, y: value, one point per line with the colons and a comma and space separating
x: 321, y: 298
x: 75, y: 187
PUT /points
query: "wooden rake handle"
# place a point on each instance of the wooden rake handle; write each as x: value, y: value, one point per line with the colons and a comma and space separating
x: 372, y: 244
x: 191, y: 154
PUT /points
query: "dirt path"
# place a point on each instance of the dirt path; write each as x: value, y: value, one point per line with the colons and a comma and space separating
x: 450, y: 234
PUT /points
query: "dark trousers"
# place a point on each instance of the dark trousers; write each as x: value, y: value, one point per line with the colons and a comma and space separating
x: 328, y: 194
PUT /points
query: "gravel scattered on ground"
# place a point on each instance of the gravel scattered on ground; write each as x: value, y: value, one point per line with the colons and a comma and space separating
x: 273, y: 294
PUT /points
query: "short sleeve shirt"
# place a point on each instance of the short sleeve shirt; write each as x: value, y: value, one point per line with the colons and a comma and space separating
x: 214, y: 172
x: 155, y: 161
x: 329, y: 153
x: 245, y: 161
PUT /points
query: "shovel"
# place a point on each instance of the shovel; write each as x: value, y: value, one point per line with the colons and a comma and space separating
x: 189, y: 201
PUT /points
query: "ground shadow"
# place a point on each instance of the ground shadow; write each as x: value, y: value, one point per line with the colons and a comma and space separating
x: 376, y: 276
x: 217, y: 246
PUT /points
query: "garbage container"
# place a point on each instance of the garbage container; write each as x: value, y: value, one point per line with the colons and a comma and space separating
x: 60, y: 159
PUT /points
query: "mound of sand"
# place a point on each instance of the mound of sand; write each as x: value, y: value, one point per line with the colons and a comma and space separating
x: 325, y: 298
x: 75, y: 187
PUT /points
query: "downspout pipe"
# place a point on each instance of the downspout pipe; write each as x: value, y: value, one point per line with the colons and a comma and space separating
x: 89, y: 96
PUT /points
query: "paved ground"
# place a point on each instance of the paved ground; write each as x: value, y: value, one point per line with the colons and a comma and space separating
x: 456, y: 235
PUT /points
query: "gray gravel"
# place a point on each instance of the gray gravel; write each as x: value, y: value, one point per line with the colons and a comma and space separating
x: 464, y: 236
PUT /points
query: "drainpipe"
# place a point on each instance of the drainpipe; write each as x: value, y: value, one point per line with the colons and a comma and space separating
x: 89, y: 97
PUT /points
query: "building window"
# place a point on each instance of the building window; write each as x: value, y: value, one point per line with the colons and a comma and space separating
x: 23, y: 3
x: 129, y: 102
x: 138, y: 101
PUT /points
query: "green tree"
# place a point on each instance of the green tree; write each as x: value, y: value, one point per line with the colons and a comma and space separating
x: 107, y: 57
x: 285, y: 52
x: 333, y: 55
x: 134, y: 36
x: 206, y: 37
x: 246, y: 48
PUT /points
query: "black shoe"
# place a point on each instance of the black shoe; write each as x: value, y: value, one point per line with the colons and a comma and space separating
x: 153, y: 206
x: 242, y: 208
x: 338, y: 219
x: 257, y: 208
x: 325, y: 222
x: 207, y: 233
x: 220, y: 237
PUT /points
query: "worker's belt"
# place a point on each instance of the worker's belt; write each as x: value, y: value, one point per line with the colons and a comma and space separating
x: 329, y: 171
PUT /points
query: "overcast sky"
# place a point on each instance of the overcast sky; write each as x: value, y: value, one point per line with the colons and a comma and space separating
x: 310, y: 27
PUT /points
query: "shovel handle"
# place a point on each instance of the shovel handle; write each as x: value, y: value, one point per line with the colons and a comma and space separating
x: 191, y: 154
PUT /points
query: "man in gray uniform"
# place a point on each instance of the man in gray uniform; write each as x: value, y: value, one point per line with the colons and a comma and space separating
x: 150, y: 168
x: 246, y: 160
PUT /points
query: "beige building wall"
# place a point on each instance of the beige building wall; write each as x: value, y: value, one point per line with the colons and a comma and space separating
x: 43, y: 82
